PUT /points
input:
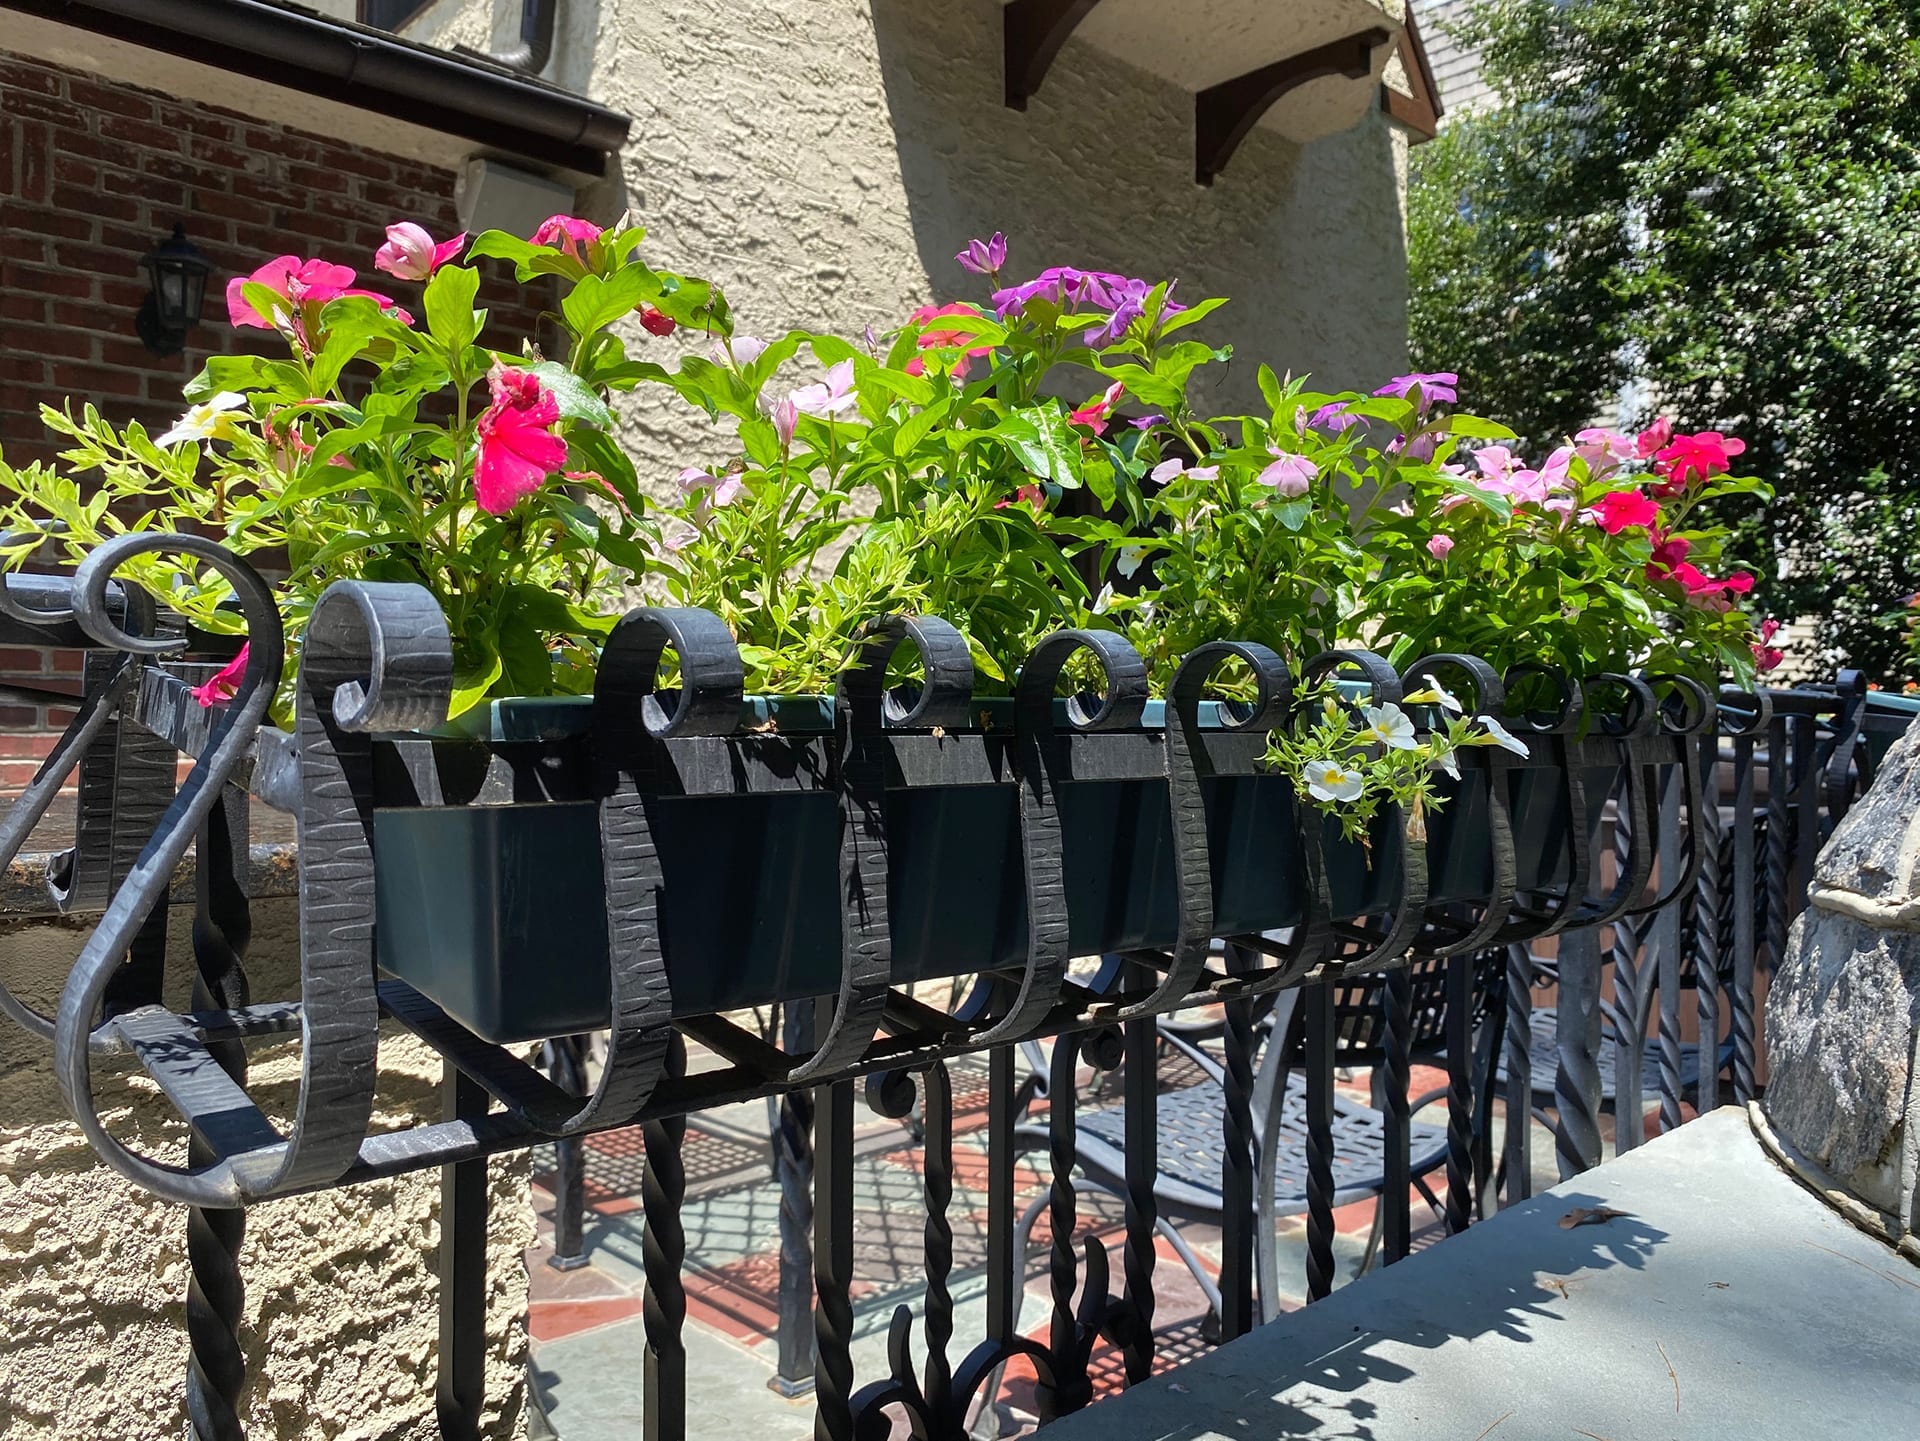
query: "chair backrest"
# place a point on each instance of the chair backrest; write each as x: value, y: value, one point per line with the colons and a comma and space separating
x: 1360, y: 1012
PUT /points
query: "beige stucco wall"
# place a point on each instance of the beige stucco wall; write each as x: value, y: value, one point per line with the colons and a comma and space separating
x: 341, y: 1321
x: 824, y: 159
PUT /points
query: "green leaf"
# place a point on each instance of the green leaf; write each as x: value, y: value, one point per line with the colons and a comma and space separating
x: 917, y: 426
x: 1293, y: 513
x: 1042, y: 439
x: 576, y: 397
x: 528, y: 259
x: 1193, y: 315
x: 525, y: 662
x: 244, y: 373
x: 1270, y: 388
x: 472, y: 681
x: 596, y: 303
x: 451, y: 318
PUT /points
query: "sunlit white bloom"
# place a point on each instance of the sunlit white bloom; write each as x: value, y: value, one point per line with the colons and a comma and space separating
x: 1129, y: 561
x: 1445, y: 760
x: 1391, y: 727
x: 209, y: 420
x: 1331, y: 781
x: 1499, y: 735
x: 1166, y: 470
x: 737, y: 353
x: 1436, y: 694
x: 1102, y: 601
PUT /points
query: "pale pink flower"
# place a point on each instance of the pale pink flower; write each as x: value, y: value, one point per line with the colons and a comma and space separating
x: 1439, y: 545
x: 411, y: 254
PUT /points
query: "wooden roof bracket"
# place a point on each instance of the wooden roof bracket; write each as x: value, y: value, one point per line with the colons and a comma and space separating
x: 1034, y: 31
x: 1224, y: 113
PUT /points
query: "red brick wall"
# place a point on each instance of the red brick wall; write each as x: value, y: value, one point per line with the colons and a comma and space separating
x: 93, y: 175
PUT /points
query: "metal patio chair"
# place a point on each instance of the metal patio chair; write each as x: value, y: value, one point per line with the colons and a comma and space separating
x: 1191, y: 1144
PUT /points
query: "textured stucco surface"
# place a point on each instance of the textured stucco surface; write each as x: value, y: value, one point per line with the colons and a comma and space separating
x: 341, y: 1321
x: 823, y: 160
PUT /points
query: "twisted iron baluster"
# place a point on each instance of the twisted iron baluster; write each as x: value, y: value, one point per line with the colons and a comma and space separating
x: 937, y: 1107
x: 1576, y: 1088
x: 833, y: 1262
x: 1317, y: 1023
x: 1396, y: 1221
x: 663, y: 1251
x: 1237, y: 1167
x: 1707, y: 937
x: 793, y: 1164
x: 1071, y: 1389
x: 1629, y: 1036
x: 1459, y: 1093
x: 216, y: 1294
x: 1142, y: 1128
x: 1667, y: 937
x: 1779, y: 837
x: 1518, y: 1160
x: 1740, y: 1022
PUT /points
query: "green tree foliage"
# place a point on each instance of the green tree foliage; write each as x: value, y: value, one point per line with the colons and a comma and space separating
x: 1722, y: 200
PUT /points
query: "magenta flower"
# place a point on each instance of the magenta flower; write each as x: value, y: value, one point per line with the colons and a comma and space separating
x: 1655, y: 437
x: 657, y: 322
x: 1695, y: 457
x: 1147, y: 422
x: 1439, y: 545
x: 223, y: 684
x: 410, y: 252
x: 1620, y: 510
x: 1427, y: 386
x: 1333, y: 416
x: 518, y: 449
x: 569, y: 233
x: 984, y: 257
x: 1419, y: 447
x: 305, y: 285
x: 1497, y: 463
x: 1122, y: 297
x: 1290, y: 475
x: 1030, y: 494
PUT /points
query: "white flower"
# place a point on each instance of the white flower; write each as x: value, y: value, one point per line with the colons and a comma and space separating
x: 738, y: 353
x: 1103, y: 600
x: 1330, y: 781
x: 1391, y: 727
x: 209, y: 420
x: 1167, y: 470
x: 1445, y: 760
x: 1499, y: 735
x: 1435, y: 694
x: 1129, y: 560
x: 676, y: 535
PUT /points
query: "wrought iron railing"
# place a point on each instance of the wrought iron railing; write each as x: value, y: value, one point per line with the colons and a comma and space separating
x: 1650, y: 830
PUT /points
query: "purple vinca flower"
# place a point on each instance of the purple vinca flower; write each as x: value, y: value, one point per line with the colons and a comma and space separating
x: 1434, y: 386
x: 984, y: 257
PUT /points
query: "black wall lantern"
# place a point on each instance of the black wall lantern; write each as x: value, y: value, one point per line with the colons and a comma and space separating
x: 177, y: 274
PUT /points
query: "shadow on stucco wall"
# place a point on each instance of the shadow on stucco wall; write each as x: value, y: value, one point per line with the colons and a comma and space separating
x: 1308, y: 241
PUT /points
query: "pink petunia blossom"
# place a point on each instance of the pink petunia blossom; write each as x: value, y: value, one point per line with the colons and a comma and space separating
x: 518, y: 449
x: 1439, y: 545
x: 1620, y: 510
x: 1290, y: 475
x: 223, y: 684
x: 569, y: 233
x: 411, y: 254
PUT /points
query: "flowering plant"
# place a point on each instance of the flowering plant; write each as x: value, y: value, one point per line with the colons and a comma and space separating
x: 385, y: 448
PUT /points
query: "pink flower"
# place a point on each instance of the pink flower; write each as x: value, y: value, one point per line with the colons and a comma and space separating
x: 305, y: 285
x: 984, y: 257
x: 518, y: 449
x: 1290, y: 475
x: 568, y: 233
x: 785, y: 415
x: 1668, y: 552
x: 713, y: 491
x: 1333, y: 416
x: 1031, y: 493
x: 223, y: 684
x: 657, y: 322
x: 1439, y: 545
x: 1496, y: 463
x: 946, y: 339
x: 1769, y: 628
x: 832, y: 398
x: 1418, y: 447
x: 1695, y: 457
x: 1766, y: 657
x: 737, y: 353
x: 1620, y: 510
x: 1603, y: 450
x: 1426, y: 387
x: 410, y: 253
x: 1095, y: 412
x: 1653, y: 438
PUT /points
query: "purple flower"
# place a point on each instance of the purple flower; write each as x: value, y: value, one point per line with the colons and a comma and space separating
x: 1433, y: 386
x: 1420, y: 447
x: 1290, y: 475
x: 1333, y: 416
x: 1122, y: 297
x: 1147, y: 422
x: 984, y: 257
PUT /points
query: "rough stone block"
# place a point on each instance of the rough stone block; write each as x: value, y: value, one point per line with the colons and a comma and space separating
x: 1875, y: 851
